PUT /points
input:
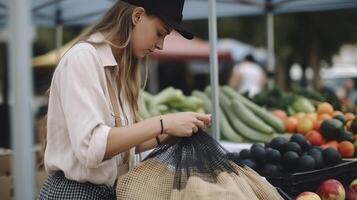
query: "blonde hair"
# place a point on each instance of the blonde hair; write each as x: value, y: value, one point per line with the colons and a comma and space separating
x: 116, y: 26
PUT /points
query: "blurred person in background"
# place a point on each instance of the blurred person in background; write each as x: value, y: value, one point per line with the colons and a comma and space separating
x: 329, y: 94
x: 349, y: 99
x: 93, y: 123
x: 350, y: 91
x: 247, y: 76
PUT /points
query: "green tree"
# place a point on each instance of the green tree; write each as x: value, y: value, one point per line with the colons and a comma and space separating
x: 304, y: 38
x: 308, y: 38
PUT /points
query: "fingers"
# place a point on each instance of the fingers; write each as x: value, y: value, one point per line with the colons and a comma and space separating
x: 206, y: 118
x: 187, y: 123
x: 199, y: 124
x: 201, y: 121
x: 189, y: 132
x: 194, y: 129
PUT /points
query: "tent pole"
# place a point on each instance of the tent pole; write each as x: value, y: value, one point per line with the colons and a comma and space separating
x: 153, y: 78
x: 21, y: 99
x: 270, y: 39
x: 212, y: 26
x: 59, y: 40
x: 59, y: 30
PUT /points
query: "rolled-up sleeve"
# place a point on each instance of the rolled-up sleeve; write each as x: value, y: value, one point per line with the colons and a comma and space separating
x: 84, y: 104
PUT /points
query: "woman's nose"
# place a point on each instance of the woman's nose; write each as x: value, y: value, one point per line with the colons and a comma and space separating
x: 160, y: 44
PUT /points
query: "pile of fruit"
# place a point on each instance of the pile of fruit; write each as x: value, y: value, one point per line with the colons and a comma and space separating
x: 325, y: 127
x: 282, y: 156
x: 331, y: 189
x: 241, y: 120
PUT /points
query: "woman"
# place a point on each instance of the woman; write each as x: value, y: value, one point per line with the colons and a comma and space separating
x: 93, y: 125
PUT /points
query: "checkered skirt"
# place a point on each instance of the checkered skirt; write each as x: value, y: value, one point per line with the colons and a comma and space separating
x: 58, y: 187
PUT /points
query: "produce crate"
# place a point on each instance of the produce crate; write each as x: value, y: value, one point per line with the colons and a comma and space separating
x: 295, y: 183
x: 5, y: 163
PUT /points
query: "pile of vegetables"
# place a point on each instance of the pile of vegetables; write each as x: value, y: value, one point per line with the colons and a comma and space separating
x: 240, y: 118
x: 292, y: 103
x: 169, y: 100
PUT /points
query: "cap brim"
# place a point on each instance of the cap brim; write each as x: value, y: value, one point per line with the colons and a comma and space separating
x: 177, y: 27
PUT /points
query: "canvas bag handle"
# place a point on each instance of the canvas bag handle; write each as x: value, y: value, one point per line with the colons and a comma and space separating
x: 116, y: 109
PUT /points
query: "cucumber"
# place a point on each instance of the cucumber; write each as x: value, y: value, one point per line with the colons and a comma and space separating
x: 190, y: 103
x: 167, y: 95
x: 226, y: 131
x: 291, y: 111
x: 265, y: 115
x: 154, y: 111
x: 144, y: 113
x: 207, y: 105
x: 147, y: 98
x: 237, y: 124
x: 249, y: 118
x: 162, y: 108
x: 149, y: 104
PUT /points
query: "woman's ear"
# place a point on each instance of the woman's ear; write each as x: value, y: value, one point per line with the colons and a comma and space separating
x: 137, y: 15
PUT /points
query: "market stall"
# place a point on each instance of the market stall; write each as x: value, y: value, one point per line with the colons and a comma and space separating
x: 20, y: 55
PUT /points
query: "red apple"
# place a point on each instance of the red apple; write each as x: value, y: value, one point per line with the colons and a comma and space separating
x: 331, y: 189
x: 308, y: 196
x: 353, y: 184
x: 351, y: 194
x: 280, y: 114
x: 352, y: 191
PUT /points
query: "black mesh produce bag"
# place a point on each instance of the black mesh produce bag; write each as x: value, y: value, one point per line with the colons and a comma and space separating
x: 192, y: 168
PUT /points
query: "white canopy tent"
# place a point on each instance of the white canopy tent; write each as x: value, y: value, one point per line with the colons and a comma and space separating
x: 17, y: 14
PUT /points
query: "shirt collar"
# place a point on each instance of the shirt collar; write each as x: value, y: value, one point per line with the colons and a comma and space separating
x: 103, y: 48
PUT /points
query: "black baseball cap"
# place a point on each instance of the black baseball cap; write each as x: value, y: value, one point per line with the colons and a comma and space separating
x: 169, y: 11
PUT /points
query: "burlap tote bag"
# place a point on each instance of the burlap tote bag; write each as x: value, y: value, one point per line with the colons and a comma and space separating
x: 193, y: 168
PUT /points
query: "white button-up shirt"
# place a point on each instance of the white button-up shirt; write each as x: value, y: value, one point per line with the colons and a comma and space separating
x: 80, y: 114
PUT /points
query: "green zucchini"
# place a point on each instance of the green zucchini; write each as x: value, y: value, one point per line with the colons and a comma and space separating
x: 265, y: 115
x: 291, y: 110
x: 226, y: 131
x: 207, y: 105
x: 167, y: 95
x: 144, y: 112
x: 189, y: 103
x: 244, y: 130
x: 250, y: 118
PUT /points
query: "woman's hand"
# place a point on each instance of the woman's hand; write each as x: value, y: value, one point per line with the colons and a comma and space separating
x: 184, y: 124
